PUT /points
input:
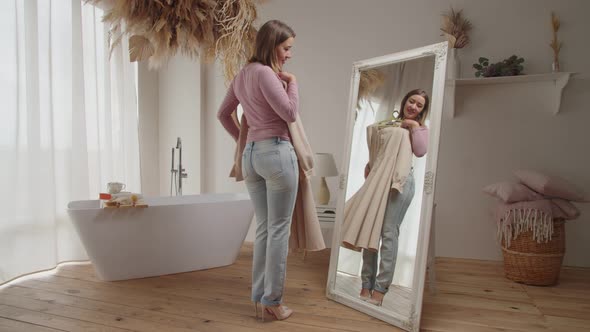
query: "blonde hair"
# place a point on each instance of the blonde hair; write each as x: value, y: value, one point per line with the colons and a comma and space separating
x: 270, y: 35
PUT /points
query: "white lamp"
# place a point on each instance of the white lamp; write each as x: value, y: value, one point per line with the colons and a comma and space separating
x: 324, y: 166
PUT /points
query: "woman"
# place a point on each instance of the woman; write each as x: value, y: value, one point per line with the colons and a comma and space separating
x: 269, y: 162
x: 375, y: 286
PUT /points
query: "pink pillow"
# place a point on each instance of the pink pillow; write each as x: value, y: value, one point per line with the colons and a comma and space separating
x: 564, y: 209
x: 551, y: 186
x: 510, y: 192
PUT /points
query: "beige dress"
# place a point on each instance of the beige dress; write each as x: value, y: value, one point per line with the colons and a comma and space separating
x: 390, y: 159
x: 306, y: 233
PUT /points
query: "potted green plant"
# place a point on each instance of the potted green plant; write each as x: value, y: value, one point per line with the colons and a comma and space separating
x: 508, y: 67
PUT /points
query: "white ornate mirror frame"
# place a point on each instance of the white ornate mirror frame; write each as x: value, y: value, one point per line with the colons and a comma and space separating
x: 412, y: 322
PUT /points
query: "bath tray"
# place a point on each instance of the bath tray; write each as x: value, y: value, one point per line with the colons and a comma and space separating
x: 126, y: 206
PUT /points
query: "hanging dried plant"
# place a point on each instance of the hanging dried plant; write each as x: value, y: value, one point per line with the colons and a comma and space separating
x: 159, y: 29
x: 234, y: 33
x: 555, y: 43
x: 369, y: 81
x: 455, y: 28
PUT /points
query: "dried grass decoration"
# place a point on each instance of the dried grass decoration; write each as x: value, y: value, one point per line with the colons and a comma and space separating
x: 555, y: 43
x: 234, y: 33
x: 455, y: 28
x: 369, y: 81
x: 158, y: 29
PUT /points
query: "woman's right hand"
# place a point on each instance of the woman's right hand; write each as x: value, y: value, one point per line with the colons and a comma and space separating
x: 287, y: 77
x: 410, y: 124
x: 367, y: 170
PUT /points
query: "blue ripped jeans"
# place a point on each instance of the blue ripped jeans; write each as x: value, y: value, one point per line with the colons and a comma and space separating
x: 271, y: 174
x: 397, y: 206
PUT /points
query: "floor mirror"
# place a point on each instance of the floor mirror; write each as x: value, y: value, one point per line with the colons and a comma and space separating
x: 385, y: 198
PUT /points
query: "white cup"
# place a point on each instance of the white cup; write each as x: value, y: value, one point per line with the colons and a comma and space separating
x: 115, y: 187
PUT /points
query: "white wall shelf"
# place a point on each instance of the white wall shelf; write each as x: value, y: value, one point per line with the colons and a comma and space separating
x: 561, y: 77
x: 559, y: 80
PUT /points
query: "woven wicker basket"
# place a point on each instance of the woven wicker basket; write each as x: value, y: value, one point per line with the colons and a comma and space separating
x: 532, y: 263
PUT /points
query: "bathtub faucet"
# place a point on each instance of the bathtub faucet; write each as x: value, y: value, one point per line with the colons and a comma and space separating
x: 180, y: 172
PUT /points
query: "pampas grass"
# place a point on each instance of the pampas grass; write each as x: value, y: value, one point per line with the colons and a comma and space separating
x: 369, y: 81
x: 159, y: 29
x: 455, y: 28
x: 555, y: 43
x: 235, y: 35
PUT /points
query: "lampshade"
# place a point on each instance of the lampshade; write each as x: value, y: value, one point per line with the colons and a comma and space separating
x: 325, y: 165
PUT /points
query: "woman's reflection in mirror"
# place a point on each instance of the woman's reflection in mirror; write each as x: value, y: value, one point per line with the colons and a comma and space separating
x: 375, y: 285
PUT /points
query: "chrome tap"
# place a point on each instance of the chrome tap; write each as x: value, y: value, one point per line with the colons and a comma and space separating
x: 180, y: 172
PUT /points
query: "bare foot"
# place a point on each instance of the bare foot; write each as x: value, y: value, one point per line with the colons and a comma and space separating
x: 365, y: 294
x: 376, y: 298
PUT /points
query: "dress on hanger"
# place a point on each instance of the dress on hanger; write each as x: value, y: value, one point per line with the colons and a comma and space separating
x: 390, y: 160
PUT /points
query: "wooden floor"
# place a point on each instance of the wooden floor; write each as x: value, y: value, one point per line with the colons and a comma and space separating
x: 472, y: 296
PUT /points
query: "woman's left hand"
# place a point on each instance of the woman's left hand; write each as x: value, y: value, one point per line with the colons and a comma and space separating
x: 410, y: 124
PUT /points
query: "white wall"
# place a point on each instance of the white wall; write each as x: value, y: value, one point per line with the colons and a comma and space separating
x: 179, y: 104
x: 220, y: 147
x: 332, y: 34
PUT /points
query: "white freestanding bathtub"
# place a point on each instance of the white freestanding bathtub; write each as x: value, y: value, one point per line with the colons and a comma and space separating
x: 172, y: 235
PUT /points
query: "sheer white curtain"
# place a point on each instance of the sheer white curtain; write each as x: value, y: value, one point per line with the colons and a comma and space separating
x: 400, y: 78
x: 69, y: 126
x: 359, y: 151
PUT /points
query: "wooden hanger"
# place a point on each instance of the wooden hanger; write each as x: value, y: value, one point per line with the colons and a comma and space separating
x: 393, y: 122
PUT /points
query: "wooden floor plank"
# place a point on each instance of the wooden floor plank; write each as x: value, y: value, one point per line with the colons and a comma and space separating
x: 491, y: 318
x: 171, y: 320
x: 568, y: 324
x: 10, y: 325
x: 93, y: 315
x: 53, y: 321
x: 471, y: 296
x: 434, y: 325
x: 328, y: 314
x: 482, y: 290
